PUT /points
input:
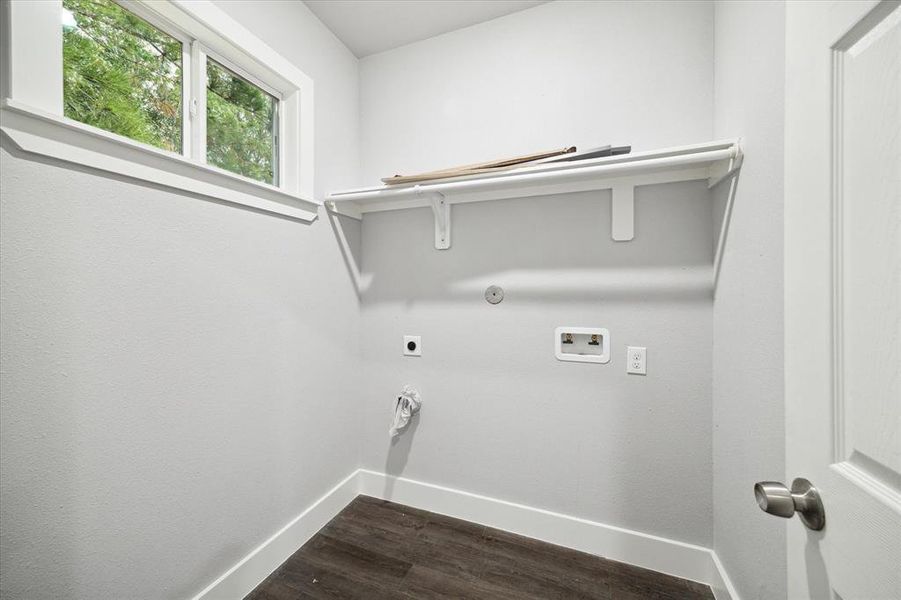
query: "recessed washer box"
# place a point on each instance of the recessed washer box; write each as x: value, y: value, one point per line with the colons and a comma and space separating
x: 582, y: 344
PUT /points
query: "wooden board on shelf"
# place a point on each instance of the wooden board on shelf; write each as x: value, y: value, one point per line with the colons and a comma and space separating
x: 478, y: 168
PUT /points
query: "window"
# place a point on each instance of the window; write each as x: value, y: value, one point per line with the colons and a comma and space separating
x: 173, y: 93
x: 241, y: 125
x: 121, y: 74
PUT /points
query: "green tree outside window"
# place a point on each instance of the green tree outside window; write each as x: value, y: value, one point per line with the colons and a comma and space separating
x: 240, y: 126
x: 121, y: 74
x: 124, y: 75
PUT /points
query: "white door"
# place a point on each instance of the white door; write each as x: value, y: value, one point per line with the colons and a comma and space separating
x: 843, y: 294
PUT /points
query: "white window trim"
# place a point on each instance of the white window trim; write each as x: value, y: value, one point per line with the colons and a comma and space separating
x: 31, y: 106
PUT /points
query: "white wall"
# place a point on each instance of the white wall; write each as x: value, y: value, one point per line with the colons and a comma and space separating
x: 178, y: 375
x: 561, y: 74
x: 501, y: 416
x: 748, y: 403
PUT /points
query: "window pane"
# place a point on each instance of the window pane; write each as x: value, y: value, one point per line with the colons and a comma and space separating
x: 121, y: 74
x: 241, y: 125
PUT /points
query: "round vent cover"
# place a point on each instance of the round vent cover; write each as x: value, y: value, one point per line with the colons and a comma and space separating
x: 494, y: 294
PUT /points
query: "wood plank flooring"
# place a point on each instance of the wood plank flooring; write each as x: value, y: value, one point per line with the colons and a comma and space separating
x: 378, y: 550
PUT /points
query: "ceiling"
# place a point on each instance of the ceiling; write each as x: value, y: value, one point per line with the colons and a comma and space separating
x: 371, y: 26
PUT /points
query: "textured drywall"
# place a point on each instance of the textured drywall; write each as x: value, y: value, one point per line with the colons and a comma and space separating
x: 748, y: 403
x: 560, y: 74
x: 178, y: 375
x: 501, y: 416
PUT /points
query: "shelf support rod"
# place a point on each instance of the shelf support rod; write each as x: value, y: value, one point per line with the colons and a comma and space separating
x: 441, y: 212
x: 622, y: 212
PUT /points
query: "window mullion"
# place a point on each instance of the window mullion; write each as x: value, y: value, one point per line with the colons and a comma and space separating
x: 277, y: 164
x: 187, y: 93
x: 198, y: 102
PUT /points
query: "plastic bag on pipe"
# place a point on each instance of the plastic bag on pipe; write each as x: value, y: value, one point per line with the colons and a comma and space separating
x: 408, y: 404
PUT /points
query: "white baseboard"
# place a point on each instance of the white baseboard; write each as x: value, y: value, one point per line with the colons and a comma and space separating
x: 679, y: 559
x: 624, y: 545
x: 242, y: 578
x: 720, y: 583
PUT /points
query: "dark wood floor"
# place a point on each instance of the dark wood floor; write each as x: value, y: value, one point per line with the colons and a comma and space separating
x: 376, y: 549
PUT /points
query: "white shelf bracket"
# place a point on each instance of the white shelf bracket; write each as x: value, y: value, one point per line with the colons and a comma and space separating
x: 622, y: 213
x: 441, y: 212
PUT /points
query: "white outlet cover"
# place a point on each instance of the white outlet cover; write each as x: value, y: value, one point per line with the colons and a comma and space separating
x: 412, y: 345
x: 637, y: 360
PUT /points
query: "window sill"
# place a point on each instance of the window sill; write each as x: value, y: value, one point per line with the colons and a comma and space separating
x: 38, y: 132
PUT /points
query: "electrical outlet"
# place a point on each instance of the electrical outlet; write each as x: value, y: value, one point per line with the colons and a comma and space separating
x: 412, y: 345
x: 637, y: 360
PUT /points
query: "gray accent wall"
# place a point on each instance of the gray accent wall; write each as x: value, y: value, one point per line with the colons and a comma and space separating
x: 501, y: 416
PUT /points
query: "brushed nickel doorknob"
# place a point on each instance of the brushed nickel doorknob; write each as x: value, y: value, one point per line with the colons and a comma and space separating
x: 803, y: 498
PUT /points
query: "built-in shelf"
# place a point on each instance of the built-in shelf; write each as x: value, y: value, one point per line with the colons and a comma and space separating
x: 713, y: 161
